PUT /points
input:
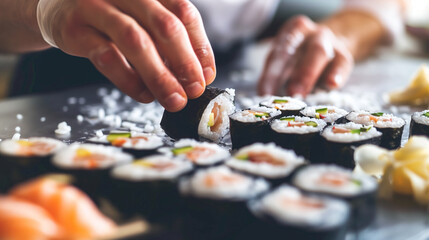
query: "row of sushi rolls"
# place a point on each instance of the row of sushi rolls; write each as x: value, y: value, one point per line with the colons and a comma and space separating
x: 289, y: 174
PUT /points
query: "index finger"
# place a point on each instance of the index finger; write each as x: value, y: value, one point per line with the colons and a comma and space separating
x: 191, y: 19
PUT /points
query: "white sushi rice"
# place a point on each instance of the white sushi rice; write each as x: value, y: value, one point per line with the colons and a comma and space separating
x: 63, y: 129
x: 384, y: 121
x: 138, y: 172
x: 309, y: 179
x: 333, y: 114
x: 12, y: 146
x: 243, y: 188
x: 419, y: 118
x: 288, y: 157
x: 246, y: 116
x: 226, y: 102
x: 220, y: 153
x: 331, y: 213
x: 152, y: 142
x: 291, y: 104
x: 281, y: 126
x: 349, y: 137
x: 113, y: 156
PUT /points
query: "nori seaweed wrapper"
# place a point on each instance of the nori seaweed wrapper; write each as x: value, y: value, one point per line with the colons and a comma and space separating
x: 17, y: 169
x: 184, y: 124
x: 418, y: 129
x: 246, y: 133
x: 342, y: 153
x: 303, y: 144
x: 391, y: 138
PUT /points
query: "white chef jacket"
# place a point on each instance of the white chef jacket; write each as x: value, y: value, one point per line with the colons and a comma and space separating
x: 229, y: 21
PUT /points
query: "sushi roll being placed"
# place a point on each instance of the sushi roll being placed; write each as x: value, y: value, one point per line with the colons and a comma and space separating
x: 135, y: 143
x: 266, y: 160
x: 287, y: 105
x: 391, y: 126
x: 359, y: 190
x: 201, y: 154
x: 251, y: 125
x: 90, y: 164
x: 300, y: 134
x: 206, y: 116
x: 287, y: 213
x: 149, y: 186
x: 23, y: 159
x: 329, y: 114
x: 340, y: 140
x: 215, y: 200
x: 420, y: 123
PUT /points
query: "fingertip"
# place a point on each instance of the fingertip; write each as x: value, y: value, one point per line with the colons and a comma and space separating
x: 194, y: 90
x: 175, y: 102
x: 209, y: 74
x: 146, y: 97
x: 335, y: 81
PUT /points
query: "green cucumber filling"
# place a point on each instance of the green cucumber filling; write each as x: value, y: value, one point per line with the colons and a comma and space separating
x: 280, y: 101
x: 113, y: 136
x: 377, y: 114
x: 357, y: 182
x: 287, y: 119
x: 261, y: 115
x: 360, y: 130
x: 311, y: 124
x: 243, y: 157
x: 322, y: 110
x: 426, y: 114
x: 181, y: 150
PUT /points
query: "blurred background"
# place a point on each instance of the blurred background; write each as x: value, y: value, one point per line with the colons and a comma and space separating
x: 417, y: 16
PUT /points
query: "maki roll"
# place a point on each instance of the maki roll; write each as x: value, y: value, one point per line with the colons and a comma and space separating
x: 288, y: 212
x: 23, y: 159
x: 201, y: 154
x: 266, y: 160
x: 359, y: 190
x: 90, y: 164
x: 287, y: 105
x: 135, y: 143
x: 206, y: 116
x: 340, y: 140
x: 149, y: 186
x: 420, y: 123
x: 298, y: 133
x: 215, y: 200
x: 329, y: 114
x: 251, y: 125
x: 391, y: 126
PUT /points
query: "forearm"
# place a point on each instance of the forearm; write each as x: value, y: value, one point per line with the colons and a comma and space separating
x: 19, y: 31
x: 360, y: 31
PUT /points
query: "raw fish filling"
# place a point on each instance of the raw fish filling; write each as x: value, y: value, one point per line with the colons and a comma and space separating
x: 375, y: 117
x: 194, y: 153
x: 260, y: 158
x: 32, y: 148
x: 215, y: 118
x: 160, y: 166
x: 92, y: 159
x: 216, y: 180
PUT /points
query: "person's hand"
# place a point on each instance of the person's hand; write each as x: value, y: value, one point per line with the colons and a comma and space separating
x: 304, y: 54
x: 148, y: 49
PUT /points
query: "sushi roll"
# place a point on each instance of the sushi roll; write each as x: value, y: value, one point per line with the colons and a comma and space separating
x: 420, y: 123
x: 340, y: 140
x: 215, y: 200
x: 289, y: 213
x: 287, y: 105
x: 359, y: 190
x: 266, y: 160
x: 135, y: 143
x: 201, y: 154
x: 206, y: 116
x: 251, y: 125
x: 90, y: 164
x: 329, y: 114
x: 298, y: 133
x: 392, y: 127
x: 23, y: 159
x: 149, y: 186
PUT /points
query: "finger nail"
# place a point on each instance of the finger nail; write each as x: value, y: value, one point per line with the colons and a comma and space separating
x: 175, y: 101
x: 145, y: 96
x: 195, y: 89
x: 209, y: 74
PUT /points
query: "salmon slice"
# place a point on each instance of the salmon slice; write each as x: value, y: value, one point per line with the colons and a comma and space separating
x: 334, y: 179
x: 22, y: 220
x: 263, y: 157
x: 69, y: 207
